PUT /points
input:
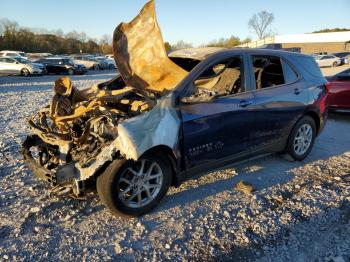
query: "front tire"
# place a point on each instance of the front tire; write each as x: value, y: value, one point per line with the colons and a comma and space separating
x: 302, y: 138
x: 133, y: 188
x: 25, y: 72
x: 70, y: 71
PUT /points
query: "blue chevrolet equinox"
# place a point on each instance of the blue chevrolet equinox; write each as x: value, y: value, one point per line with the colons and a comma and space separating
x: 231, y: 105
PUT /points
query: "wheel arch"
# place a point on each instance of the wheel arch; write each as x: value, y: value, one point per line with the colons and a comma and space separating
x: 316, y: 118
x: 171, y: 156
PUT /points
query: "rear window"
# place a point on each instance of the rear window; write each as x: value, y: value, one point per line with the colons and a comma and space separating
x: 309, y: 64
x: 289, y: 74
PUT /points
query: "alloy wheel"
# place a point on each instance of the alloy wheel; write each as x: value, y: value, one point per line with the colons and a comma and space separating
x: 25, y: 72
x: 303, y: 139
x: 140, y: 183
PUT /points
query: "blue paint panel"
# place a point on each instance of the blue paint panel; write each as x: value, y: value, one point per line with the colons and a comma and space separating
x: 215, y: 129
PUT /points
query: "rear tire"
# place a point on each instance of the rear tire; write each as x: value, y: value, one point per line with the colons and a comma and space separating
x: 70, y: 71
x: 124, y: 179
x: 335, y: 64
x: 302, y: 138
x: 25, y: 72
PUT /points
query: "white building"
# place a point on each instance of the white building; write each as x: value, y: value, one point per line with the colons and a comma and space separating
x: 308, y: 43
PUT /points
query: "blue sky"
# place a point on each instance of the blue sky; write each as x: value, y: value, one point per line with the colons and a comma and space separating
x: 195, y: 21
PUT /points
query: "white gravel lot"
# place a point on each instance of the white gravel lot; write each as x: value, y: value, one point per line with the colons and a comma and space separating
x: 299, y: 211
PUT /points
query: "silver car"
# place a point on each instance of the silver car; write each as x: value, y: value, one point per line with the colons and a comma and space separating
x: 108, y: 63
x: 327, y: 60
x: 20, y: 66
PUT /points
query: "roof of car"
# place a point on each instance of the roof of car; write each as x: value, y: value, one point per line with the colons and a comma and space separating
x: 205, y: 52
x: 196, y: 53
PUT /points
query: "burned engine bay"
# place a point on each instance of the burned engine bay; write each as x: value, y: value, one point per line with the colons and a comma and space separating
x: 78, y: 124
x: 82, y: 130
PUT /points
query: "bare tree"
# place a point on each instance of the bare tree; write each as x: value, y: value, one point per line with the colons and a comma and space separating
x: 82, y: 37
x: 181, y: 45
x: 260, y: 23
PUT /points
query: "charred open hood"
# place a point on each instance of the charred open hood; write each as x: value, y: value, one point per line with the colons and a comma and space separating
x: 140, y: 54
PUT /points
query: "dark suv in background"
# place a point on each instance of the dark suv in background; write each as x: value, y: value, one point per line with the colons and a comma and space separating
x: 59, y: 65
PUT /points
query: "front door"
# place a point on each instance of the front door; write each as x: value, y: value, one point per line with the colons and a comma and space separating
x: 216, y: 116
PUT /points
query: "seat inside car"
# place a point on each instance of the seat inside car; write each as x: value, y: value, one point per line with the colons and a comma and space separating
x: 268, y: 71
x: 226, y: 79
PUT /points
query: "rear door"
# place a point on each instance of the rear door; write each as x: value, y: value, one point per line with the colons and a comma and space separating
x: 4, y: 66
x: 13, y: 66
x: 217, y: 128
x: 280, y: 99
x: 56, y: 65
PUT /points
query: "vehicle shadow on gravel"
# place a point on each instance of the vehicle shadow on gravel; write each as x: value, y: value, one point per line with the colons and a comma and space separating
x: 261, y: 173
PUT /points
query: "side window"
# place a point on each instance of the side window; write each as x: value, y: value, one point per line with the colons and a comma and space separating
x: 268, y: 71
x: 289, y: 74
x: 9, y: 60
x: 220, y: 79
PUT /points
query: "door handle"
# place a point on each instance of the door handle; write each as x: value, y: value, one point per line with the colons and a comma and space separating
x: 245, y: 103
x: 297, y: 91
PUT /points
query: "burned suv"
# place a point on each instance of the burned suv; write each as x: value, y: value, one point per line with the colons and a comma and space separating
x: 167, y: 118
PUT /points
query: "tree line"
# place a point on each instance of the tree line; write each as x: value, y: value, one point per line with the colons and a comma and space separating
x: 14, y: 37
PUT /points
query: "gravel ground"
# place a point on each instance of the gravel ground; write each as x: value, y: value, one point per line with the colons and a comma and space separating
x: 298, y: 211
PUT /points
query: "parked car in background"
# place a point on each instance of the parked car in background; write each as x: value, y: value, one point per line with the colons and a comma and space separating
x: 110, y: 56
x: 109, y: 63
x: 339, y: 90
x: 320, y: 53
x: 327, y: 60
x: 344, y: 57
x: 20, y: 66
x: 102, y: 61
x: 13, y: 54
x: 37, y: 56
x: 61, y: 65
x: 277, y: 46
x: 88, y: 61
